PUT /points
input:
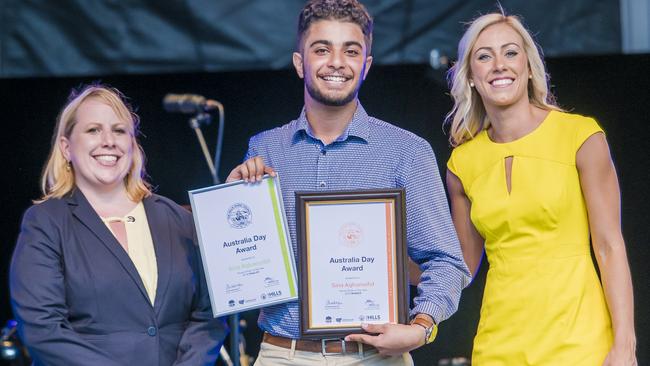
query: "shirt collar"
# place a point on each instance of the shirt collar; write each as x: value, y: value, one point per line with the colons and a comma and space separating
x: 358, y: 127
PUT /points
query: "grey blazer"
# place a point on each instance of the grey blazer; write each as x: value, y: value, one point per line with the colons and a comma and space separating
x: 79, y: 300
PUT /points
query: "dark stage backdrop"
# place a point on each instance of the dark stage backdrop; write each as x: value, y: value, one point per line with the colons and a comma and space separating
x: 42, y: 38
x: 611, y: 88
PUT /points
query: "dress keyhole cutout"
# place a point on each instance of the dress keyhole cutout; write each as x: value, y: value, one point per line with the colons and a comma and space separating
x: 119, y: 230
x: 508, y: 165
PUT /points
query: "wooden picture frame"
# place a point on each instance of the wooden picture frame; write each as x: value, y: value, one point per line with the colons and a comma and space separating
x: 352, y: 250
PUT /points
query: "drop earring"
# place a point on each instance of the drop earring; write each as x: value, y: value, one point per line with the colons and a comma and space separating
x: 471, y: 84
x: 68, y: 167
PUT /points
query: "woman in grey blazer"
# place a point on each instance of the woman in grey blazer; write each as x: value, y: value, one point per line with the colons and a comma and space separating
x: 105, y: 272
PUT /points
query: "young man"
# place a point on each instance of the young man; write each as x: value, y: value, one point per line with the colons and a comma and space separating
x: 335, y: 145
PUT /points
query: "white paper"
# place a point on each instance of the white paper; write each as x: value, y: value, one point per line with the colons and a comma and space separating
x: 352, y: 264
x: 244, y: 244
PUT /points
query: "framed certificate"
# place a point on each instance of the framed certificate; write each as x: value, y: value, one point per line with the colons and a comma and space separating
x: 352, y: 260
x: 245, y: 247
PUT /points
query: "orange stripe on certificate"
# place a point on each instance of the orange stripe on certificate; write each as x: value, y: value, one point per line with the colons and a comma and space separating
x: 307, y: 209
x: 389, y: 257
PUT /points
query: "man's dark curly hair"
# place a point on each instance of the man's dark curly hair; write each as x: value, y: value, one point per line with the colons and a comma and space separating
x: 342, y: 10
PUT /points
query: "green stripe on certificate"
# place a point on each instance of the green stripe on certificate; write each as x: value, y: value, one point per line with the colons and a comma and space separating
x: 280, y: 228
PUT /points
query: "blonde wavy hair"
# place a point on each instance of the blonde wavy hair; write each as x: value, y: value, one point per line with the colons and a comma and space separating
x: 58, y: 178
x: 468, y: 117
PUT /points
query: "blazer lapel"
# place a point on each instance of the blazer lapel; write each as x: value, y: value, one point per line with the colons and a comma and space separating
x: 161, y: 235
x: 83, y: 211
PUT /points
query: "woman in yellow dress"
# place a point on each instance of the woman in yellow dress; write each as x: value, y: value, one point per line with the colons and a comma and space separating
x: 530, y: 185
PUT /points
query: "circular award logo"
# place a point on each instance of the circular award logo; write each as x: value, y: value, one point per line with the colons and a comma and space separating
x: 350, y: 234
x: 239, y: 216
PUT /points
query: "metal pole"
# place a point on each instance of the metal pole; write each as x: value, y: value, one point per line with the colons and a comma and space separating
x: 234, y: 338
x: 195, y: 123
x: 217, y: 152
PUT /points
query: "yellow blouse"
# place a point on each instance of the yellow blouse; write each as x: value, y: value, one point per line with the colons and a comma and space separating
x: 140, y: 246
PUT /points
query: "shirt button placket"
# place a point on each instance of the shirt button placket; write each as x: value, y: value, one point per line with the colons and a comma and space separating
x: 323, y: 168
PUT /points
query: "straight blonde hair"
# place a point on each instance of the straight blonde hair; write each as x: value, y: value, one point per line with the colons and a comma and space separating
x: 58, y: 179
x: 468, y: 116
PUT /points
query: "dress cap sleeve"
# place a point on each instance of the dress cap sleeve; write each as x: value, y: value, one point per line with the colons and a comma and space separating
x: 585, y: 128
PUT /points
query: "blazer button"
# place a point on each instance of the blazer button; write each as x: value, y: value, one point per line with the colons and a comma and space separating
x: 152, y: 331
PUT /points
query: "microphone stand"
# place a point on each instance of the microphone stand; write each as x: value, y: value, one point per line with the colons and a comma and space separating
x: 217, y: 152
x: 195, y: 123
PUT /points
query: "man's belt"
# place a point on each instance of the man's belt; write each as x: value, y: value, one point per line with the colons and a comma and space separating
x: 330, y: 346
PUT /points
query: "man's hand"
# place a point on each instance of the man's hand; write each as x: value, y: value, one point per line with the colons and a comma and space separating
x: 250, y: 171
x: 390, y: 339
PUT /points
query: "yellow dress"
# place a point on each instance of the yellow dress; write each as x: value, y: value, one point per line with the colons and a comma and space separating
x: 543, y: 302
